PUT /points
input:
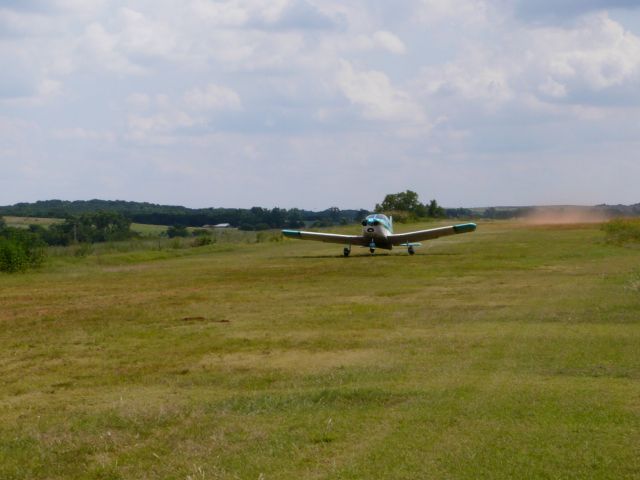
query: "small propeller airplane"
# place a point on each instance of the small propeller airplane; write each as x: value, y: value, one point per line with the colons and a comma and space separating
x: 377, y: 232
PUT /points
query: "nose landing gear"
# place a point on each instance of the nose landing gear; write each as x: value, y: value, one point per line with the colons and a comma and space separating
x: 372, y: 248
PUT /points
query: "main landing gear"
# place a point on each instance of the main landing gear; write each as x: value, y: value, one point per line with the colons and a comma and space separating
x: 346, y: 251
x: 411, y: 250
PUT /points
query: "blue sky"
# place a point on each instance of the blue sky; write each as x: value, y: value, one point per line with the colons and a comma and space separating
x: 319, y: 103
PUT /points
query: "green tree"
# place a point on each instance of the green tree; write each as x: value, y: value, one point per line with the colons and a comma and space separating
x: 434, y: 210
x: 404, y: 202
x: 294, y: 218
x: 334, y: 214
x: 408, y: 203
x: 89, y: 228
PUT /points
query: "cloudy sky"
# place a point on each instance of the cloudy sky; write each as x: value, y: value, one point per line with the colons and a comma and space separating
x: 314, y: 103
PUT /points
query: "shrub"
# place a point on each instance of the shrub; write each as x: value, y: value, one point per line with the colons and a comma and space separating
x: 83, y: 249
x: 19, y: 250
x: 177, y: 231
x: 622, y: 230
x: 202, y: 240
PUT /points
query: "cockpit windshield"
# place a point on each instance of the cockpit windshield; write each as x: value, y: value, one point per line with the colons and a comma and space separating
x: 378, y: 216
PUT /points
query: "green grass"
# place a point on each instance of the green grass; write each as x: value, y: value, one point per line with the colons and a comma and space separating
x: 512, y: 352
x: 148, y: 230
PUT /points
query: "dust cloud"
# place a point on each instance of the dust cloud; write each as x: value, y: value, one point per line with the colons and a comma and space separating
x: 564, y: 215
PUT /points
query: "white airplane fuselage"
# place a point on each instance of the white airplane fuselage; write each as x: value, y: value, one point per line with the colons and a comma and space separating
x: 376, y: 228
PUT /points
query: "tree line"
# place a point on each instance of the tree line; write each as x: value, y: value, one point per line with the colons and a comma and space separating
x: 256, y: 218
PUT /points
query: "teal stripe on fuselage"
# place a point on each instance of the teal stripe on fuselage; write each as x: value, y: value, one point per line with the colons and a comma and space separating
x: 381, y: 219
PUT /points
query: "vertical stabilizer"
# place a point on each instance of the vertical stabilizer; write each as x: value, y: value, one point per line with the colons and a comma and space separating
x: 391, y: 222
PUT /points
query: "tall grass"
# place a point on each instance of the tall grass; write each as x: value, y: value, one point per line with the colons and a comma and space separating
x: 221, y: 237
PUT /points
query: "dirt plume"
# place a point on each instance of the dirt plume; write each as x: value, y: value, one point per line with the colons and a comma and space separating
x: 565, y: 215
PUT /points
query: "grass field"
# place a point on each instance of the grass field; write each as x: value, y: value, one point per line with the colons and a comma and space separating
x: 511, y: 352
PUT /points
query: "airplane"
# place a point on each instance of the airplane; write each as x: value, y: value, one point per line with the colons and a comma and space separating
x: 377, y: 232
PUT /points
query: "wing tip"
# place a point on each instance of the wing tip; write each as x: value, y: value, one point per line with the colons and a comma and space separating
x: 465, y: 227
x: 291, y: 233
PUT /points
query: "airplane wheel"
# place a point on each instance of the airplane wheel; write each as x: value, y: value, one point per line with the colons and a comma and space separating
x: 346, y: 252
x: 372, y: 250
x: 411, y: 251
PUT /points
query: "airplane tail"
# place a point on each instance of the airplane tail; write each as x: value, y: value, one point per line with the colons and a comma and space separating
x: 391, y: 222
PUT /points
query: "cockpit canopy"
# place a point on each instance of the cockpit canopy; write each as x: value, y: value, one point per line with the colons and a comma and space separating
x: 376, y: 219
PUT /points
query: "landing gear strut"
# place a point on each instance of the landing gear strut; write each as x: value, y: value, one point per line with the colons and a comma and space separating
x: 346, y: 252
x: 411, y: 250
x: 372, y: 248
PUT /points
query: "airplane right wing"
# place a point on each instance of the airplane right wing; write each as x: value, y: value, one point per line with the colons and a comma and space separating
x: 326, y: 237
x: 410, y: 237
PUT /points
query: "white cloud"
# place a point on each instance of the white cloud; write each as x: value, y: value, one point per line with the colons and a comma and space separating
x: 571, y: 64
x: 142, y: 35
x: 553, y: 88
x: 102, y: 51
x: 79, y: 133
x: 599, y: 52
x: 139, y: 100
x: 389, y: 41
x: 212, y: 97
x: 373, y: 92
x: 471, y: 79
x: 460, y: 11
x: 158, y: 128
x: 159, y: 119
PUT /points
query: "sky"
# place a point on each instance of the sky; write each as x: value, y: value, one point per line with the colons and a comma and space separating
x: 312, y: 104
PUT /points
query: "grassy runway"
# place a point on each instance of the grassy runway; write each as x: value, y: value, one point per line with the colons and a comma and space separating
x: 511, y: 352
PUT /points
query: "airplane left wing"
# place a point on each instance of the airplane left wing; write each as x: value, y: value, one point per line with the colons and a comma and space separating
x: 410, y: 237
x: 326, y: 237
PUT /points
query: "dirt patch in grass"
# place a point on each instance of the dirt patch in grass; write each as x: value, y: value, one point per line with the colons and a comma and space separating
x: 291, y: 360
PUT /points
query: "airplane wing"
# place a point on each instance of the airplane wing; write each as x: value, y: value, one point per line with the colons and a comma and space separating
x: 409, y: 237
x: 326, y: 237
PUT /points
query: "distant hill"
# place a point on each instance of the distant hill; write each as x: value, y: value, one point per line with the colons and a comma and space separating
x: 256, y: 218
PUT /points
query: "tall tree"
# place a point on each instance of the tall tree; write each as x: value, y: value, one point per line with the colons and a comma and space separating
x: 404, y: 202
x: 434, y: 210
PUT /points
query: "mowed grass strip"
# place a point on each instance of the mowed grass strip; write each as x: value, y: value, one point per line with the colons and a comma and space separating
x: 507, y: 353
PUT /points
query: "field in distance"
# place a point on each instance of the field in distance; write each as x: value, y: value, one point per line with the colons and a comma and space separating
x: 146, y: 230
x: 24, y: 222
x: 511, y: 352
